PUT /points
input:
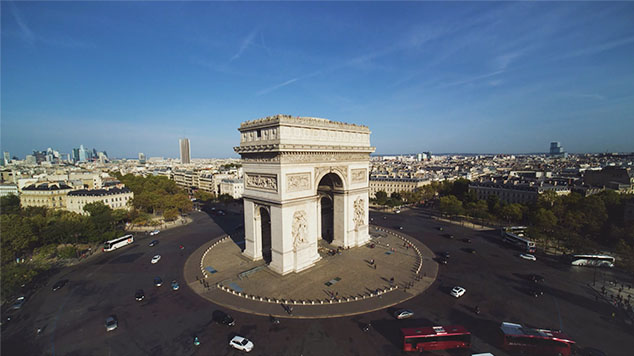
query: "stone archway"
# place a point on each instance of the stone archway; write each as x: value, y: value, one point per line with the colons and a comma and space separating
x: 265, y: 233
x: 312, y: 174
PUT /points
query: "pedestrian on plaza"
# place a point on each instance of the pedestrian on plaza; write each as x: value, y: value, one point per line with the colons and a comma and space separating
x: 375, y: 266
x: 392, y: 280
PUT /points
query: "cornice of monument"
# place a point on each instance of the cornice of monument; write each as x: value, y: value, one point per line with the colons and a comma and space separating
x: 298, y: 121
x: 302, y: 148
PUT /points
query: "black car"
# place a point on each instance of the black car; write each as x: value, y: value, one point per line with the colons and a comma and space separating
x: 535, y: 292
x: 445, y: 254
x: 442, y: 260
x: 535, y: 278
x: 154, y: 243
x: 59, y: 284
x: 158, y: 281
x: 467, y: 240
x: 470, y: 250
x: 139, y: 295
x: 449, y: 236
x: 223, y: 318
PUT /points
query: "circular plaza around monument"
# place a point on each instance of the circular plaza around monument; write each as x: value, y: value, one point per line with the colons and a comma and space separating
x: 390, y: 269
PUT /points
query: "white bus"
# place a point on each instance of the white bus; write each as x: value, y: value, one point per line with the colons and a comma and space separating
x: 118, y: 242
x: 592, y: 260
x: 516, y: 235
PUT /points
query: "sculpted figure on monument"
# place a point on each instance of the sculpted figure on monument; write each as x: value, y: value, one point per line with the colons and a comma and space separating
x: 300, y: 228
x: 359, y: 212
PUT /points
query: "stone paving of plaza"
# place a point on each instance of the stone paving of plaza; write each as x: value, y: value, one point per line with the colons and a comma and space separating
x: 307, y: 291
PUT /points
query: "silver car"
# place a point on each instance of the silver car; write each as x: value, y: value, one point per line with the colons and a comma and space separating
x: 111, y: 323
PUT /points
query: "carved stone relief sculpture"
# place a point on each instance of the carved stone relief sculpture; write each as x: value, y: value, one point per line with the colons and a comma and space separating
x: 359, y: 175
x: 359, y: 212
x: 261, y: 181
x: 300, y: 229
x: 297, y: 182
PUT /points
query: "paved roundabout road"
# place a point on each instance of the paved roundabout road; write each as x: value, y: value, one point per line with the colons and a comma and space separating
x: 165, y: 323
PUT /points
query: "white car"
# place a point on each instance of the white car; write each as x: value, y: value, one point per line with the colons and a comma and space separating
x: 403, y: 314
x: 241, y: 343
x: 529, y: 257
x: 156, y: 258
x: 458, y: 291
x: 155, y: 232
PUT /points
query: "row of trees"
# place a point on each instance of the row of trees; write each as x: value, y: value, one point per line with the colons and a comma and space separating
x: 155, y: 196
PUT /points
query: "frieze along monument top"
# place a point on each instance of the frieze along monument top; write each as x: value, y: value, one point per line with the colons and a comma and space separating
x: 306, y: 180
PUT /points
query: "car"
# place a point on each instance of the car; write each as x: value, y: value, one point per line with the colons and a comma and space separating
x: 111, y: 323
x: 400, y: 228
x: 449, y: 236
x: 139, y: 295
x: 535, y: 292
x: 398, y: 211
x: 223, y: 318
x: 458, y: 291
x: 158, y: 281
x: 155, y: 232
x: 241, y: 343
x: 403, y: 314
x: 528, y: 256
x: 535, y: 278
x: 156, y: 258
x: 445, y: 254
x: 442, y: 260
x: 175, y: 285
x: 470, y: 250
x: 59, y: 284
x: 18, y: 303
x: 221, y: 213
x: 153, y: 243
x: 467, y: 240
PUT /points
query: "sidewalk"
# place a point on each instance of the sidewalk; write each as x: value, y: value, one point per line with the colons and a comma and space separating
x: 180, y: 221
x: 343, y: 284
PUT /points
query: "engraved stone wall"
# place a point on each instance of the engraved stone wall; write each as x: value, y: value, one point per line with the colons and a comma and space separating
x: 359, y: 175
x: 261, y: 181
x: 297, y: 182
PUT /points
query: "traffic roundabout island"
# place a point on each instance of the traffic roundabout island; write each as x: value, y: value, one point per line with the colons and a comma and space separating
x: 390, y: 269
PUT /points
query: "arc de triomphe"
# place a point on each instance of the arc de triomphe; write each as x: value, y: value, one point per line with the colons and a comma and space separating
x: 305, y: 179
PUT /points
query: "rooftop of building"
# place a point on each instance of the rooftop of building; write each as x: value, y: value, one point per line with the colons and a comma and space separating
x: 99, y: 192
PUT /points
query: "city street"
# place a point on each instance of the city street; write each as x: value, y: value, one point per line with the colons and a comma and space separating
x: 166, y: 321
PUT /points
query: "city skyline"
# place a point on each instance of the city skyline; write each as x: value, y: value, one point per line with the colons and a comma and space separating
x: 457, y: 77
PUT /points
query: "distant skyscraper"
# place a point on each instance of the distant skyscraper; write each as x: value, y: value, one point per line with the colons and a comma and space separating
x: 141, y: 157
x: 83, y: 154
x: 556, y: 150
x: 6, y: 159
x: 75, y: 154
x: 185, y: 151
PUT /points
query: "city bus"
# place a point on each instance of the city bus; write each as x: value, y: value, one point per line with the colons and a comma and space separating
x: 527, y: 341
x: 516, y: 235
x: 118, y: 242
x: 592, y: 260
x: 431, y: 338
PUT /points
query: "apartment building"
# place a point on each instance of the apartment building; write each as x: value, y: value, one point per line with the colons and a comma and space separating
x: 115, y: 198
x: 47, y: 194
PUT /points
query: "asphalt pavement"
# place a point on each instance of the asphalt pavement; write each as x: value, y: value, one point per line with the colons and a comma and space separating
x: 165, y: 323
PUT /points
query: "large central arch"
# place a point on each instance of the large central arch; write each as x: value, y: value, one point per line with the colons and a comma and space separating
x: 311, y: 176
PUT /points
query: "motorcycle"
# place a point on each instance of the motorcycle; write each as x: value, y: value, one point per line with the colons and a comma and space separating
x: 366, y: 327
x: 477, y: 310
x: 196, y: 341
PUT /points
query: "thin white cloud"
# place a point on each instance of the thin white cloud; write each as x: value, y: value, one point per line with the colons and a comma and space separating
x: 246, y: 42
x: 275, y: 87
x: 597, y: 48
x: 25, y: 30
x: 472, y: 79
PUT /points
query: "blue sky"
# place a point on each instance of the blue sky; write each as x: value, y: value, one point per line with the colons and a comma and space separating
x: 129, y: 77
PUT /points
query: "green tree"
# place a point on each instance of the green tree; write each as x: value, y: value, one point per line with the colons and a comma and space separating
x: 100, y: 216
x: 460, y: 188
x: 493, y: 204
x: 450, y: 205
x: 10, y: 204
x: 512, y: 212
x: 380, y: 197
x: 204, y: 196
x: 170, y: 214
